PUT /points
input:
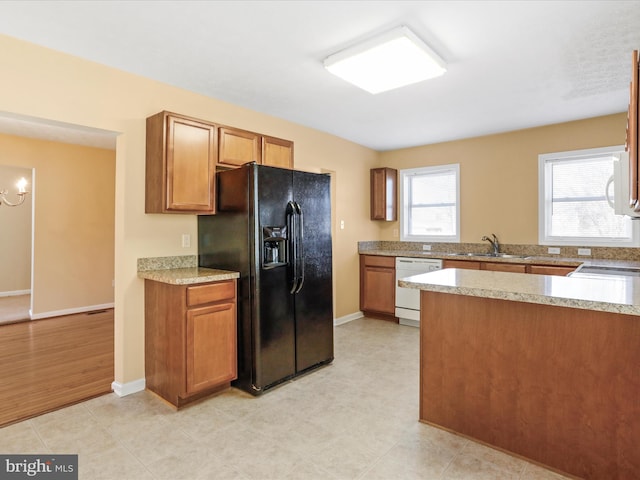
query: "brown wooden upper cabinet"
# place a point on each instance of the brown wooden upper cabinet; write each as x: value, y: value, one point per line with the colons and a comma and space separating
x: 238, y: 147
x: 181, y: 157
x: 277, y: 152
x: 384, y: 187
x: 633, y: 134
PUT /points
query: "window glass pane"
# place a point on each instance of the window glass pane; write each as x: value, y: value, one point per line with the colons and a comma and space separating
x: 581, y: 179
x: 430, y: 203
x: 433, y: 221
x: 588, y: 219
x: 576, y: 208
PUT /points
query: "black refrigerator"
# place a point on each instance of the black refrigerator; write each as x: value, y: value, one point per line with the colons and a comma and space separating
x: 273, y: 225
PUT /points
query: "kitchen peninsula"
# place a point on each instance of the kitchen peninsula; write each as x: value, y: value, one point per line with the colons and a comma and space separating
x: 545, y: 367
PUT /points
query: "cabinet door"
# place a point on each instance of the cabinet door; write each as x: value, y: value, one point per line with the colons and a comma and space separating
x: 504, y: 267
x: 238, y: 147
x: 383, y: 194
x: 277, y: 152
x: 378, y: 290
x: 181, y: 155
x: 211, y: 346
x: 191, y: 159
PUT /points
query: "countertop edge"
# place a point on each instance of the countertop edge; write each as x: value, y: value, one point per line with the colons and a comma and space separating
x: 526, y: 297
x: 529, y: 260
x: 188, y: 276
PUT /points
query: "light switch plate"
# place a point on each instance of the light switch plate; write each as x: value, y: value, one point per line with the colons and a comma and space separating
x: 186, y: 240
x: 584, y: 251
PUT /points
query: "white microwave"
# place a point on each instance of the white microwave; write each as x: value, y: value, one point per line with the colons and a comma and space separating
x: 620, y: 181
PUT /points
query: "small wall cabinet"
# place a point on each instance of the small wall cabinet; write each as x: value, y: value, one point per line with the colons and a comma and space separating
x: 378, y: 286
x: 181, y: 157
x: 238, y: 147
x: 190, y: 339
x: 384, y: 187
x: 277, y: 152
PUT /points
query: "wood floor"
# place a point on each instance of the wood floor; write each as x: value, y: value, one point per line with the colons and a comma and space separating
x: 46, y: 364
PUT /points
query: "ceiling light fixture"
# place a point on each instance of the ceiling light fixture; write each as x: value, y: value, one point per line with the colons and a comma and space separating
x: 22, y: 191
x: 391, y: 60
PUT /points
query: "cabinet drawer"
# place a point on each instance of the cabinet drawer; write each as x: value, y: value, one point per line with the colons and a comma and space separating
x: 211, y: 292
x: 504, y: 267
x: 465, y: 264
x: 379, y: 261
x: 550, y: 270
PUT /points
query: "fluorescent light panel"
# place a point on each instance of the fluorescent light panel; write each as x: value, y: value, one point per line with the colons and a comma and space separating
x: 392, y: 60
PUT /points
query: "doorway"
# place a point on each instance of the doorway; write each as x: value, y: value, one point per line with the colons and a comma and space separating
x: 70, y: 260
x: 16, y: 220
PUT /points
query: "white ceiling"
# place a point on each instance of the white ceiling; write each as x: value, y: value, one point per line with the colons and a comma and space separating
x: 511, y: 64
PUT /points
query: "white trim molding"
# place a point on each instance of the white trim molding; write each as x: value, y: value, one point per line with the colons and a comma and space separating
x: 124, y: 389
x: 347, y: 318
x: 14, y: 293
x: 69, y: 311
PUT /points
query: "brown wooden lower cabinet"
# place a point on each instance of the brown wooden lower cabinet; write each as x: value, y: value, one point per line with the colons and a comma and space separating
x: 378, y: 286
x: 508, y: 267
x: 557, y: 385
x: 190, y: 339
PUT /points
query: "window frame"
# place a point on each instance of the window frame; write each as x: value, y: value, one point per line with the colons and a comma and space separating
x: 404, y: 207
x: 544, y: 201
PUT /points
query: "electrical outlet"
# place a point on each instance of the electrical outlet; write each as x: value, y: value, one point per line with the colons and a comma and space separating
x: 584, y: 251
x: 186, y: 240
x: 426, y: 247
x: 395, y: 233
x: 341, y: 224
x: 553, y: 250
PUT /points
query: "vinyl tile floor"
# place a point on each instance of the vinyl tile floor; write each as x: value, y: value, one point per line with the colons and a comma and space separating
x: 354, y: 419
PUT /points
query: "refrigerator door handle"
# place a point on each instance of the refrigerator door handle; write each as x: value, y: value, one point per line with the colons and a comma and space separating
x: 292, y: 222
x: 300, y: 247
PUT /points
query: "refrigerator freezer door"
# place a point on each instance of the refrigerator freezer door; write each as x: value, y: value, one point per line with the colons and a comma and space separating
x: 273, y: 321
x: 313, y: 303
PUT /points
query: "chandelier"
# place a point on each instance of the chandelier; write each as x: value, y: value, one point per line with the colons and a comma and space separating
x: 22, y: 191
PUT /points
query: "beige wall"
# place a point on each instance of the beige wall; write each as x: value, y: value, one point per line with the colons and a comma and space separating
x: 499, y: 174
x: 15, y: 233
x: 46, y: 84
x: 74, y: 216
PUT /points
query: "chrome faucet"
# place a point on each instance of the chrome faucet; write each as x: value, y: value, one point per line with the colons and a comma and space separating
x: 494, y: 243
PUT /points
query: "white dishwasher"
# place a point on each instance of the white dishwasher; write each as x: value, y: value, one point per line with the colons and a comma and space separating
x: 408, y: 299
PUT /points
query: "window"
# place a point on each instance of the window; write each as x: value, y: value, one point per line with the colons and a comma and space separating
x: 430, y: 204
x: 573, y: 208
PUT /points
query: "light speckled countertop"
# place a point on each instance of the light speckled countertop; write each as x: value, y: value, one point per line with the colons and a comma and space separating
x: 523, y: 259
x: 187, y: 276
x: 616, y: 294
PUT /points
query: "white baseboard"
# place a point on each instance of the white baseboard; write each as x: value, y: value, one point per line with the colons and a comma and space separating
x: 347, y: 318
x: 123, y: 389
x: 14, y: 293
x: 69, y: 311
